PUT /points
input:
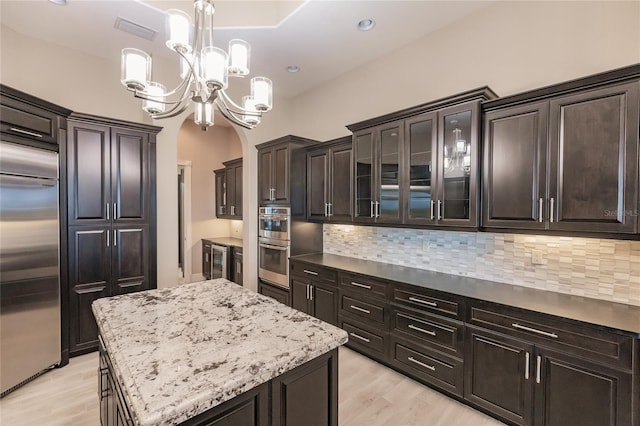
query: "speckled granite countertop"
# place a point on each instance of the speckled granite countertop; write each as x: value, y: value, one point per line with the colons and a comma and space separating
x: 225, y: 241
x: 180, y: 351
x: 599, y: 312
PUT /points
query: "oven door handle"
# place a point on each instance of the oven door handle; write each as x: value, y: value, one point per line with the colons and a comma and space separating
x: 269, y: 246
x: 273, y: 217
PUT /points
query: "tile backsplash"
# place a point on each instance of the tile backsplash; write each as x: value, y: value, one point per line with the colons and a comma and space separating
x: 590, y: 267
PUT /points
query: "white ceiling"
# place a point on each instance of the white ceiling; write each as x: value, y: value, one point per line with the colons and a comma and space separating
x: 319, y: 36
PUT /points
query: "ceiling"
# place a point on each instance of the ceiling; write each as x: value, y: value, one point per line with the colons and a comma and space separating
x: 319, y: 36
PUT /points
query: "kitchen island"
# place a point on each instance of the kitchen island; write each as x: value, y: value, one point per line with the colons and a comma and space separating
x: 213, y: 352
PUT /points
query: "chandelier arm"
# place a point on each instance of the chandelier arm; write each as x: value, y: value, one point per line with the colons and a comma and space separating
x: 172, y: 112
x: 229, y: 115
x: 237, y: 109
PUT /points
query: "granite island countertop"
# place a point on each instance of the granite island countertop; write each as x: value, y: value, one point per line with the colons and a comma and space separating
x: 593, y: 311
x: 180, y: 351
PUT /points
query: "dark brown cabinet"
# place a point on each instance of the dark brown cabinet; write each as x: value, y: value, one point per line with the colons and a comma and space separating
x: 314, y: 291
x: 420, y: 166
x: 207, y: 258
x: 278, y: 293
x: 329, y: 177
x: 111, y: 217
x: 228, y: 188
x: 564, y: 158
x: 237, y: 265
x: 282, y: 173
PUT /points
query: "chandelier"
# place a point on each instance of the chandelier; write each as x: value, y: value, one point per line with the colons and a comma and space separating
x: 204, y: 70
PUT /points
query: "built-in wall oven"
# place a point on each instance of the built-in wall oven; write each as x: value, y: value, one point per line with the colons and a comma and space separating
x: 274, y: 227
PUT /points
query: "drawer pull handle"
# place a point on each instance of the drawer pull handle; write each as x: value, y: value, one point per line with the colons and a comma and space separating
x: 26, y: 132
x: 357, y: 308
x: 364, y: 339
x: 368, y: 287
x: 538, y: 369
x: 309, y: 272
x: 422, y: 364
x: 526, y: 370
x: 533, y: 330
x: 424, y: 302
x: 422, y: 330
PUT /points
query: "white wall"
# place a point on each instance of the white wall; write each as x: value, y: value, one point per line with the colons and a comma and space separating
x: 511, y: 46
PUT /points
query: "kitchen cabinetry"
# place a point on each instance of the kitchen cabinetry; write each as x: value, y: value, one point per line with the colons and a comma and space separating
x: 207, y: 259
x: 278, y: 293
x: 329, y: 177
x: 228, y: 187
x: 314, y: 291
x: 111, y: 217
x: 282, y: 173
x: 236, y: 262
x: 419, y: 166
x: 565, y: 158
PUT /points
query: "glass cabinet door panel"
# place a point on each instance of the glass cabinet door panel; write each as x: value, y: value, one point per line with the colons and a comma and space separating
x: 456, y: 165
x: 420, y: 169
x: 364, y: 175
x: 389, y: 173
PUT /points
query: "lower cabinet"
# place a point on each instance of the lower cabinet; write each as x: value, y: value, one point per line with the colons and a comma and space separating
x: 103, y: 261
x: 274, y: 291
x: 236, y: 265
x: 320, y: 301
x: 531, y: 385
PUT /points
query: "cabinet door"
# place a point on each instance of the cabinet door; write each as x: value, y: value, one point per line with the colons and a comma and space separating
x: 230, y: 190
x: 573, y: 392
x: 341, y: 184
x: 221, y: 193
x: 420, y: 173
x: 237, y: 267
x: 325, y: 304
x: 206, y: 261
x: 89, y: 174
x: 237, y: 211
x: 593, y: 139
x: 514, y: 184
x: 89, y: 277
x: 498, y: 375
x: 317, y: 185
x: 457, y: 165
x: 389, y: 189
x: 275, y: 292
x: 265, y: 175
x: 130, y: 176
x: 130, y: 264
x: 364, y: 155
x: 281, y: 174
x: 300, y: 295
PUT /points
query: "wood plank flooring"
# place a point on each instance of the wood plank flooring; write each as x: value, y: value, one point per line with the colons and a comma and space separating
x: 370, y: 395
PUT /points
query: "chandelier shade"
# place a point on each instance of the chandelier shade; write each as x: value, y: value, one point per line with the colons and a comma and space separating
x: 204, y: 71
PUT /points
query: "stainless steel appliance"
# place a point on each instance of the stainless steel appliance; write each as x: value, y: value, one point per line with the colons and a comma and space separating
x: 274, y: 222
x: 274, y: 261
x: 219, y: 261
x: 29, y: 264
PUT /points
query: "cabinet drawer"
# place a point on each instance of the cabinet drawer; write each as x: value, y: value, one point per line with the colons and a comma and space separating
x: 435, y: 368
x: 363, y: 309
x: 315, y: 272
x: 426, y: 301
x: 372, y: 343
x: 588, y: 342
x: 425, y: 329
x: 29, y: 122
x: 363, y: 285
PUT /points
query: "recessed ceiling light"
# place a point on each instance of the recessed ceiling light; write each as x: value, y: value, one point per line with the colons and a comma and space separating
x: 366, y: 24
x: 293, y: 68
x: 59, y: 2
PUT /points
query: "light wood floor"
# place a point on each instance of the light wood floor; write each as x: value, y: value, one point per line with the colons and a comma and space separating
x: 370, y: 395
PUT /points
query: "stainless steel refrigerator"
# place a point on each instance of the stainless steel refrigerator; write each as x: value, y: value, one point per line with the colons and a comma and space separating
x: 29, y: 264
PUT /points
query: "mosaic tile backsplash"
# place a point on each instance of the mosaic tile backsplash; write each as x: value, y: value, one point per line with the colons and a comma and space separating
x: 590, y: 267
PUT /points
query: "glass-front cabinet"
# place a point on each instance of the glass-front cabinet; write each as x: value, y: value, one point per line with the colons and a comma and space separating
x: 378, y: 173
x: 421, y: 158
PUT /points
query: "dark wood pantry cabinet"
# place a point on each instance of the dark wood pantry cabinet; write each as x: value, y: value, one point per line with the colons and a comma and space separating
x: 565, y: 157
x: 111, y: 216
x: 329, y: 178
x: 419, y: 166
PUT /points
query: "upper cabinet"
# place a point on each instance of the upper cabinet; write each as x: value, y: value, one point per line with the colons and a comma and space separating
x: 565, y: 158
x: 419, y: 166
x: 329, y: 177
x: 228, y: 189
x: 282, y: 173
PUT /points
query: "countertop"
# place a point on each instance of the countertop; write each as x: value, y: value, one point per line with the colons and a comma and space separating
x: 225, y: 241
x: 180, y: 351
x: 598, y: 312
